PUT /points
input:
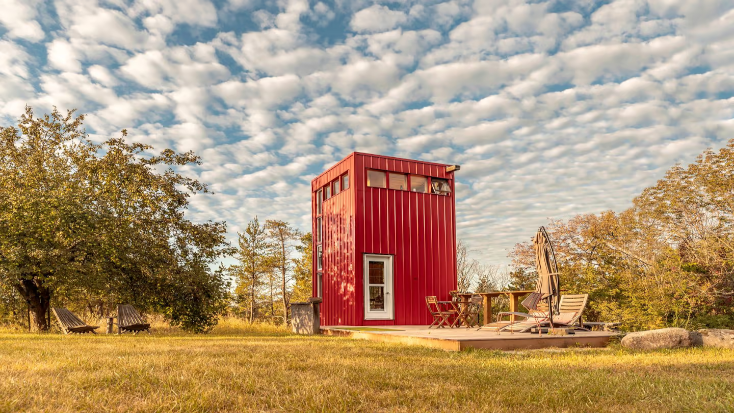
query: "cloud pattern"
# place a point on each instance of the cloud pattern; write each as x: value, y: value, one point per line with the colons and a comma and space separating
x: 552, y: 108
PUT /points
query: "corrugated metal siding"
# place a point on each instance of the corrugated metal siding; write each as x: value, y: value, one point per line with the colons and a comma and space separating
x: 418, y: 230
x: 338, y: 247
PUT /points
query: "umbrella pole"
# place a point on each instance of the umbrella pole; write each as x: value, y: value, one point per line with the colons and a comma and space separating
x: 550, y: 310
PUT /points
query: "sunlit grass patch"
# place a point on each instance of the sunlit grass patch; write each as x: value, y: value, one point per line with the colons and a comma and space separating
x: 242, y: 367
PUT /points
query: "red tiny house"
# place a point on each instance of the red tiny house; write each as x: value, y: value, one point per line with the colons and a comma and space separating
x: 394, y: 222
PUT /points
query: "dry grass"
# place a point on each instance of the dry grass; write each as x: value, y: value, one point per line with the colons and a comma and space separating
x: 264, y: 368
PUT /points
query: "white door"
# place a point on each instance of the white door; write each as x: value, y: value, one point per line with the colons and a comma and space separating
x: 378, y: 293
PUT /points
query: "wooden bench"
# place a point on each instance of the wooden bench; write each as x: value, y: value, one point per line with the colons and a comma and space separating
x: 128, y: 320
x: 70, y: 323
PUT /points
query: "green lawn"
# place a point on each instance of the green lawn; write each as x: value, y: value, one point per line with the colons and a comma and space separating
x: 266, y: 369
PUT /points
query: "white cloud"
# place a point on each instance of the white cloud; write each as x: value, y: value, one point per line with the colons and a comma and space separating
x: 377, y: 19
x: 19, y: 17
x: 86, y: 19
x: 15, y: 88
x: 193, y: 12
x: 183, y: 66
x: 577, y: 105
x: 63, y: 56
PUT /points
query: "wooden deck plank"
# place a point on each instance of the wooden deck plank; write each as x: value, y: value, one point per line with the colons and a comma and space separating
x: 457, y: 339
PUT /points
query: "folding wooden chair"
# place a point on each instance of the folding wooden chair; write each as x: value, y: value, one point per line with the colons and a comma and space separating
x: 440, y: 316
x: 473, y: 310
x: 128, y: 319
x: 70, y: 323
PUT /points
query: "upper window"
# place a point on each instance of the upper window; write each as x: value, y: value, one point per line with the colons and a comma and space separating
x: 398, y: 181
x: 319, y: 200
x: 345, y: 182
x: 376, y: 179
x: 418, y: 183
x: 328, y: 192
x: 336, y: 186
x: 440, y: 186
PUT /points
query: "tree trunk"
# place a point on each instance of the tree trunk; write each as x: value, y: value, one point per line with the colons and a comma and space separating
x: 252, y: 299
x: 39, y: 301
x: 285, y: 298
x: 272, y: 297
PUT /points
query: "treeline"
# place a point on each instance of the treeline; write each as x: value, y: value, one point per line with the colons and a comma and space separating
x: 666, y: 261
x: 88, y: 225
x: 274, y: 269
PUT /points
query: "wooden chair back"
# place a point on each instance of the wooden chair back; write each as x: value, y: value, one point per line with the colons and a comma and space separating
x: 128, y: 316
x: 432, y: 303
x: 67, y: 319
x: 573, y: 304
x: 70, y: 323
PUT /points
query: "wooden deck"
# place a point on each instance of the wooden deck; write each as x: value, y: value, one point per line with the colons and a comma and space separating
x: 457, y: 339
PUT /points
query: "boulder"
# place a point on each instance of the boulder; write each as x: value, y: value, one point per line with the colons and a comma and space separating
x: 659, y: 339
x: 717, y: 338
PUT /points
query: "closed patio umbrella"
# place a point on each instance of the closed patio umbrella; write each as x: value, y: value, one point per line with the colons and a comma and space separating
x: 548, y: 285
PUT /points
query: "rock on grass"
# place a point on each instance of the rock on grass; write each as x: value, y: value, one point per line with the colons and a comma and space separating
x: 717, y: 338
x: 659, y: 339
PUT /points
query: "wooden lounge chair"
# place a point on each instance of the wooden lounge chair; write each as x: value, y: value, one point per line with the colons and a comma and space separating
x: 70, y: 323
x: 571, y: 309
x: 129, y: 320
x: 440, y: 316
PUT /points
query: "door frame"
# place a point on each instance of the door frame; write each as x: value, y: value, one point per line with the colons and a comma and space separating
x: 389, y: 313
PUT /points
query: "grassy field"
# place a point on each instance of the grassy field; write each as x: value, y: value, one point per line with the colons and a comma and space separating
x: 266, y: 369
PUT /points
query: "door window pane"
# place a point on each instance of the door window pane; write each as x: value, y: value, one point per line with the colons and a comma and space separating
x: 398, y: 181
x: 377, y: 298
x: 376, y: 179
x: 345, y: 182
x: 319, y: 200
x: 336, y: 187
x: 418, y: 183
x: 377, y: 272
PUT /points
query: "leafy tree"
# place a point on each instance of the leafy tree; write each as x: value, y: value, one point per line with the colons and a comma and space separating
x: 99, y: 220
x: 303, y: 288
x: 255, y: 262
x: 282, y: 236
x: 466, y: 268
x: 667, y: 261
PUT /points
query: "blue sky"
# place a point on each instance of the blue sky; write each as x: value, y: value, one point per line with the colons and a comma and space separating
x: 552, y: 108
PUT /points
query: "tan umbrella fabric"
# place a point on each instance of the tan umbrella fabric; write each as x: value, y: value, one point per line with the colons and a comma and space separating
x: 548, y: 283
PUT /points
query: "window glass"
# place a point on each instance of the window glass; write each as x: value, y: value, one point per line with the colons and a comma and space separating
x: 376, y: 179
x: 398, y: 181
x: 318, y: 229
x: 440, y: 186
x: 319, y: 258
x: 336, y: 186
x: 418, y: 183
x: 345, y: 182
x: 328, y: 192
x: 319, y: 200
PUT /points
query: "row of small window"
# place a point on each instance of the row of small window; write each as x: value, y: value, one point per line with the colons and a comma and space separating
x: 416, y: 183
x: 334, y: 187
